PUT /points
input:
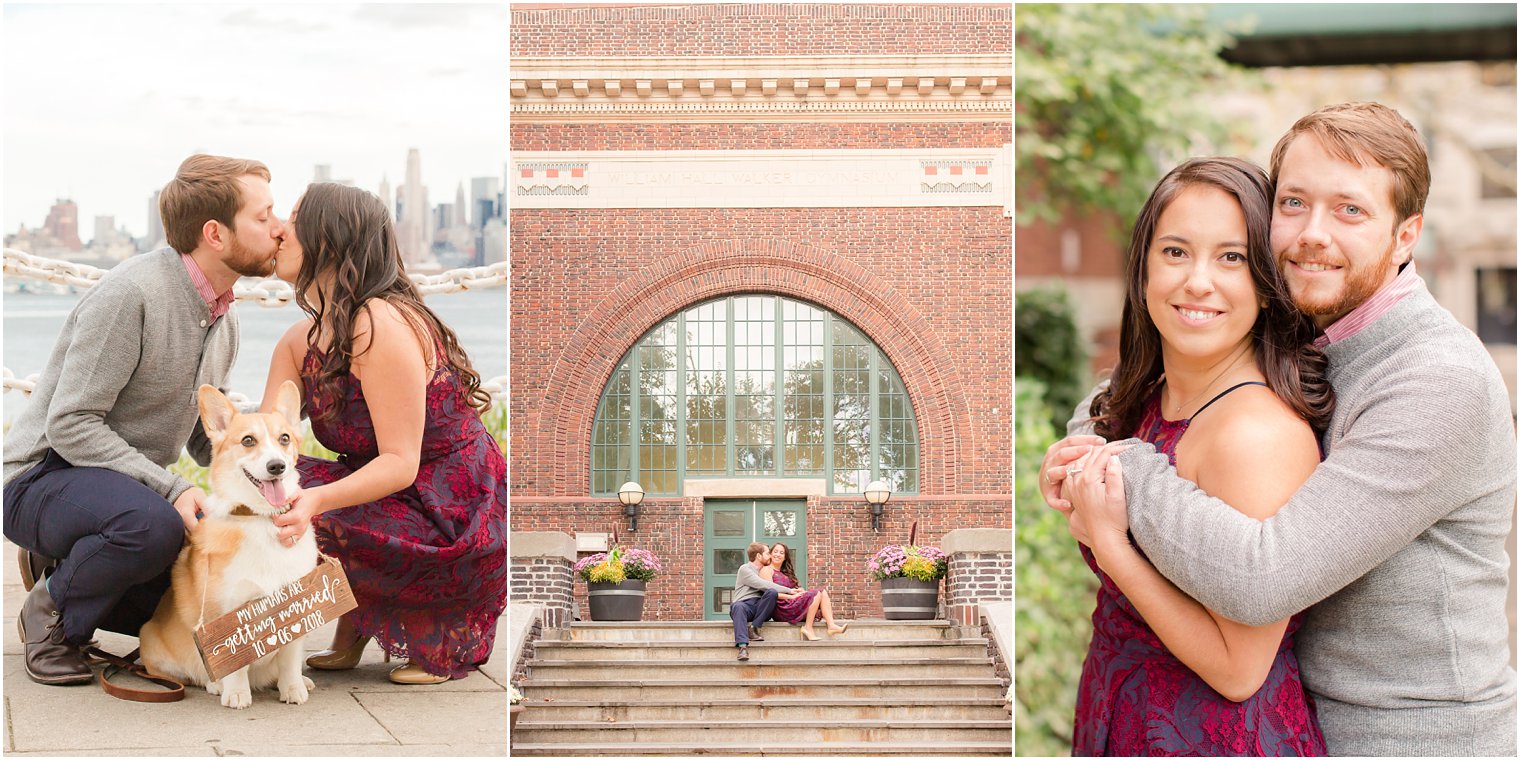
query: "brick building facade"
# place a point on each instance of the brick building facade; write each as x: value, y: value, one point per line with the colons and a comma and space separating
x: 847, y: 162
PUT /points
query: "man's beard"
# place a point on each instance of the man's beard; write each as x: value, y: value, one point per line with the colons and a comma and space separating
x: 1361, y: 282
x: 246, y: 262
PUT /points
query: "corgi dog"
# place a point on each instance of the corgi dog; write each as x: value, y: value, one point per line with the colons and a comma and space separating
x: 235, y: 555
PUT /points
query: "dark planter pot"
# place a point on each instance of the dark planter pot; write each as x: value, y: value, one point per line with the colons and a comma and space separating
x: 516, y: 711
x: 616, y: 601
x: 908, y: 599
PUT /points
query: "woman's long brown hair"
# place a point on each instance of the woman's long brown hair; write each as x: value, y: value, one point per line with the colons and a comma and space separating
x: 347, y: 234
x: 1295, y: 369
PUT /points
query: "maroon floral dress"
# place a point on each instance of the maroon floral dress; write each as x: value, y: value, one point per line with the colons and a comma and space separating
x: 791, y: 610
x: 428, y: 564
x: 1136, y: 699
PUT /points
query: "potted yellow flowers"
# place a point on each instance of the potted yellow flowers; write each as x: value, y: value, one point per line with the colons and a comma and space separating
x: 616, y: 580
x: 909, y: 578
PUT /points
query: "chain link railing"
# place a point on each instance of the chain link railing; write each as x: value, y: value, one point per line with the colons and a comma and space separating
x: 269, y: 293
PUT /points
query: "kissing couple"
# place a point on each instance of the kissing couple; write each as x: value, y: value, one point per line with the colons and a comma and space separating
x: 414, y: 507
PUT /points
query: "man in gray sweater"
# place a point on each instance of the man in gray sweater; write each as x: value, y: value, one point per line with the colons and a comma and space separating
x: 1395, y: 545
x: 86, y: 483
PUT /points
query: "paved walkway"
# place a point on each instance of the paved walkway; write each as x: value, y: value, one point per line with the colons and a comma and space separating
x: 357, y: 712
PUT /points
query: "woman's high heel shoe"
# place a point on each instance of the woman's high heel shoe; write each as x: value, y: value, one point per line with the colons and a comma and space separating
x: 340, y: 659
x: 411, y: 673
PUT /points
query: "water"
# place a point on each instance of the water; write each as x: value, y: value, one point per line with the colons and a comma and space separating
x: 33, y: 320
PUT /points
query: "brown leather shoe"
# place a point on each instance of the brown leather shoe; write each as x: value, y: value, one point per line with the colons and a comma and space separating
x: 33, y: 567
x: 50, y: 658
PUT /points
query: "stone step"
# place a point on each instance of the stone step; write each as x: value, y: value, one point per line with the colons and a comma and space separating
x: 772, y: 746
x: 723, y: 630
x: 773, y: 708
x: 537, y: 689
x: 762, y: 665
x: 813, y: 732
x: 926, y: 649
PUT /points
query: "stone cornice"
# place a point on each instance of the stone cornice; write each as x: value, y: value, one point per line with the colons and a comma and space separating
x: 817, y: 88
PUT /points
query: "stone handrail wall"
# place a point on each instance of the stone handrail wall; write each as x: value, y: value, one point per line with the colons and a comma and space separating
x: 981, y: 572
x: 540, y: 574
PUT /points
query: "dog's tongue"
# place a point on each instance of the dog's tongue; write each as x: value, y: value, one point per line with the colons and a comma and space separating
x: 273, y: 492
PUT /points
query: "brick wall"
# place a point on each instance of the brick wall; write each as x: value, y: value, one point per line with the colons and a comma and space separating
x: 759, y: 136
x: 975, y: 579
x: 931, y: 286
x: 542, y: 581
x: 761, y: 29
x: 840, y: 541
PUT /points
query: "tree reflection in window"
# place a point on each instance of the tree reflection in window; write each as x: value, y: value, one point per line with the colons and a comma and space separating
x: 754, y: 386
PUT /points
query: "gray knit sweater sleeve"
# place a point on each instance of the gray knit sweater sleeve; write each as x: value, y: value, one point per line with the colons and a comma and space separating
x: 1398, y: 469
x: 102, y: 355
x: 749, y: 576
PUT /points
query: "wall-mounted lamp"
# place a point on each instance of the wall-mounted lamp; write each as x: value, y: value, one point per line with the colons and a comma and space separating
x: 877, y: 494
x: 631, y: 494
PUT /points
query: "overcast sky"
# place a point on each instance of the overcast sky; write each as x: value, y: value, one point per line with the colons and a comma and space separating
x: 100, y: 103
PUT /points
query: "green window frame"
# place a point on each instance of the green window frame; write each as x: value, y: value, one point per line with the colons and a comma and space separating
x: 754, y: 385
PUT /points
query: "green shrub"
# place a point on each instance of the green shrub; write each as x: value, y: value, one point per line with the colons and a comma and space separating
x: 1055, y: 593
x: 1048, y: 348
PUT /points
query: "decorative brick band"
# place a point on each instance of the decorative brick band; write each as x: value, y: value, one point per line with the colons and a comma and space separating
x: 761, y: 29
x: 975, y: 579
x: 545, y: 582
x: 710, y: 270
x: 752, y: 136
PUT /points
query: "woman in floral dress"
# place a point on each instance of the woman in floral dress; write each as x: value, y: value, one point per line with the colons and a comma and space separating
x: 415, y: 504
x: 1218, y: 370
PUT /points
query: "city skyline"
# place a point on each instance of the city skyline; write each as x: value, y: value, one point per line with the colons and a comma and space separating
x: 354, y: 87
x: 474, y: 188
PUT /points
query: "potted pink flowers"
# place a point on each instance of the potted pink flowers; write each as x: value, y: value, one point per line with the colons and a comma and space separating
x: 616, y: 580
x: 909, y: 578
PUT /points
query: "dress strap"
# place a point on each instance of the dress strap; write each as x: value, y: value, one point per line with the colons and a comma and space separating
x: 1224, y: 393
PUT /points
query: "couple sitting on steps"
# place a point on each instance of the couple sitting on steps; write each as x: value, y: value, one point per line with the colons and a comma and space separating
x: 768, y: 588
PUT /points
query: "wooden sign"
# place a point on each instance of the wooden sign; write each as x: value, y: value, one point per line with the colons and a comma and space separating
x: 265, y: 625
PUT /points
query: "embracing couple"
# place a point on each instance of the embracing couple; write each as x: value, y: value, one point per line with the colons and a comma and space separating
x: 414, y: 506
x: 767, y: 588
x: 1323, y: 480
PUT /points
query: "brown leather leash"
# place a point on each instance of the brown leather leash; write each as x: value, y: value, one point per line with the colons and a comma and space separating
x: 174, y: 690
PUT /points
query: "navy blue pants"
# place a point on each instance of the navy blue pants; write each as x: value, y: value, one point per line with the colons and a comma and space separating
x: 116, y: 537
x: 752, y: 611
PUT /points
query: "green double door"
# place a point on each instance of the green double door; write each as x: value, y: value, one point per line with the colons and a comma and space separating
x: 728, y: 527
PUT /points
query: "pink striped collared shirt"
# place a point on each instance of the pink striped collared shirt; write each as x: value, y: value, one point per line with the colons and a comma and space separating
x: 1371, y: 309
x: 219, y: 303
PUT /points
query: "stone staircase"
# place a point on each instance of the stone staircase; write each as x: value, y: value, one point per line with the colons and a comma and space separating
x: 675, y: 688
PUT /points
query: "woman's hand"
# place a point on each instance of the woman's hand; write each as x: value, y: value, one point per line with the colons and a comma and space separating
x: 1095, y: 490
x: 304, y: 505
x: 1058, y: 457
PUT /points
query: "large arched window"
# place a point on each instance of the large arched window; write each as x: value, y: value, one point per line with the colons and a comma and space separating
x: 754, y: 386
